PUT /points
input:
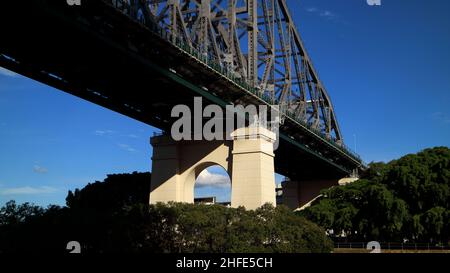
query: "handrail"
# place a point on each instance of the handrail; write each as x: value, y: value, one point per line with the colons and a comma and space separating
x: 231, y: 76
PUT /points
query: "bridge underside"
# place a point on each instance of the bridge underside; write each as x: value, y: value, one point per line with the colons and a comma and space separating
x: 102, y: 56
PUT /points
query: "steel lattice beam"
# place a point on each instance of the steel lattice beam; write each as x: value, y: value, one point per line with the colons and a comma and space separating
x: 255, y: 39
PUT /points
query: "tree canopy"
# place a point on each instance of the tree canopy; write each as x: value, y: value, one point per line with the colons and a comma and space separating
x: 114, y: 216
x: 405, y: 199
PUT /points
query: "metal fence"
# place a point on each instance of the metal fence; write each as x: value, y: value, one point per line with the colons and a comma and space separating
x: 393, y: 246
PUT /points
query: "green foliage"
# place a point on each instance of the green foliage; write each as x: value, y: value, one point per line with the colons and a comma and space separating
x: 434, y: 222
x: 24, y: 226
x: 422, y: 180
x: 13, y: 214
x: 117, y: 191
x: 191, y: 228
x: 407, y: 199
x: 114, y: 216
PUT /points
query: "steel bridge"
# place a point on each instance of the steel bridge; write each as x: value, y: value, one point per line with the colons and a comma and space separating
x: 142, y: 57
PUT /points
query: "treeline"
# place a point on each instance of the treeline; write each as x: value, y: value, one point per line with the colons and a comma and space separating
x: 404, y: 200
x: 114, y: 216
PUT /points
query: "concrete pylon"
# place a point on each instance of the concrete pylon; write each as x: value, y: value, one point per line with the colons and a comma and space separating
x: 248, y: 159
x: 176, y: 165
x: 298, y: 195
x: 253, y: 176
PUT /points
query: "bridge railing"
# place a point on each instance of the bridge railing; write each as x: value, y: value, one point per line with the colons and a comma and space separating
x: 392, y: 246
x: 133, y: 12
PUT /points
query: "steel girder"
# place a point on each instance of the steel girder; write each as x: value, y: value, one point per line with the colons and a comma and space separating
x: 255, y: 39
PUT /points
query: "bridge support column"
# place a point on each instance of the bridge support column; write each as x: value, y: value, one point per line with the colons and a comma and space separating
x: 299, y: 194
x: 253, y: 177
x: 248, y: 159
x: 165, y: 185
x: 176, y: 165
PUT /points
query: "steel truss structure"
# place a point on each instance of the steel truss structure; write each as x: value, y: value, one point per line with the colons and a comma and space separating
x: 257, y: 41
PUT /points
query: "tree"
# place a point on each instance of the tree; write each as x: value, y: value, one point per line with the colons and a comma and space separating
x: 114, y: 216
x: 408, y: 198
x: 434, y: 222
x: 116, y: 191
x: 13, y: 214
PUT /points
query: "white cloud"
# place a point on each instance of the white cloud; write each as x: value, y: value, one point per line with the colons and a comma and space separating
x: 39, y: 169
x: 322, y: 13
x: 132, y: 136
x: 442, y: 117
x: 110, y: 133
x: 27, y: 190
x: 327, y: 14
x: 6, y: 72
x: 208, y: 179
x: 127, y: 147
x: 103, y: 132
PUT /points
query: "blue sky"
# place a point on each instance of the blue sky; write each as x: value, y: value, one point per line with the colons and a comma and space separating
x: 386, y: 69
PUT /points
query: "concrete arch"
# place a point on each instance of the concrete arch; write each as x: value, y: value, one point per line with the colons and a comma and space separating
x: 205, y: 165
x: 191, y: 178
x: 248, y: 159
x: 176, y: 165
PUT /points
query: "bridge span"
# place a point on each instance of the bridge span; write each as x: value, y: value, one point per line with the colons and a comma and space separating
x: 142, y: 57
